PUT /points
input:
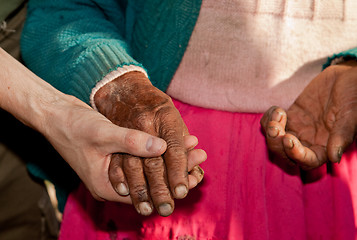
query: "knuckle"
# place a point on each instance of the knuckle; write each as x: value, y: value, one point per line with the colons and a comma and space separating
x: 160, y: 194
x: 116, y: 174
x: 174, y: 143
x: 153, y: 165
x: 133, y: 165
x: 139, y: 192
x: 167, y: 113
x: 169, y: 133
x: 115, y: 160
x: 175, y: 153
x: 143, y: 122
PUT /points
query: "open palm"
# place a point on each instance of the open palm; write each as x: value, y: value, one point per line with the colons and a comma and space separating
x: 321, y: 123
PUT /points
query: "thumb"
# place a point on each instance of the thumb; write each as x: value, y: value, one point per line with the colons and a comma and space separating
x: 341, y: 137
x: 123, y: 140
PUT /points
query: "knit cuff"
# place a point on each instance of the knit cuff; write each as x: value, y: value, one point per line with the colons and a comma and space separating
x: 112, y: 76
x: 340, y: 57
x: 96, y: 63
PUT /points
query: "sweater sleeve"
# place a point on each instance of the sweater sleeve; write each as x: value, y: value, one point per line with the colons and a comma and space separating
x: 73, y: 44
x: 342, y: 56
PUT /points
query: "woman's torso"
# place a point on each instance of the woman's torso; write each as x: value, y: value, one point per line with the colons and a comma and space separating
x: 246, y: 56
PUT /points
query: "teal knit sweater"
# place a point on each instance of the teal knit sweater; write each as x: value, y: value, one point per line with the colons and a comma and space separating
x: 73, y: 44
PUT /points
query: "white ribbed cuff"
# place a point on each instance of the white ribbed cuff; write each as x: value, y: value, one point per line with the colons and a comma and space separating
x: 338, y: 60
x: 110, y: 77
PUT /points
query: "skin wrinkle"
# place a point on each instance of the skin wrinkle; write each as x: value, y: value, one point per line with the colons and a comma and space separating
x: 329, y: 122
x: 142, y: 193
x: 143, y: 107
x: 330, y: 119
x: 347, y: 105
x: 321, y: 155
x: 311, y: 120
x: 153, y: 164
x: 155, y: 169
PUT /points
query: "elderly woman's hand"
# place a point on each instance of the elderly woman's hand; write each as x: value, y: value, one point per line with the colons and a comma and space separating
x: 131, y: 101
x: 321, y: 123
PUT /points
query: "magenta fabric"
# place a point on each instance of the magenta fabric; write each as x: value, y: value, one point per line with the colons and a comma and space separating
x: 244, y: 195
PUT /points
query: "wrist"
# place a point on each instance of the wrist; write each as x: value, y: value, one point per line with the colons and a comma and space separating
x: 113, y: 75
x: 46, y: 110
x: 23, y: 94
x: 122, y: 87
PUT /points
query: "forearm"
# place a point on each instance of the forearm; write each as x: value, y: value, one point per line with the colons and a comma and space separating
x: 30, y: 99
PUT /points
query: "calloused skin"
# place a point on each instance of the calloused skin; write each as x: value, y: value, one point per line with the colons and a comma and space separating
x: 322, y: 122
x: 131, y: 101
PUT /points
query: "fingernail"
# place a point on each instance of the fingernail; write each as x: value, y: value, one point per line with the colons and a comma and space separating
x: 273, y: 131
x: 122, y: 189
x: 202, y: 172
x: 339, y: 154
x: 288, y: 143
x: 144, y: 208
x: 181, y: 191
x: 276, y: 116
x: 165, y: 209
x: 154, y: 144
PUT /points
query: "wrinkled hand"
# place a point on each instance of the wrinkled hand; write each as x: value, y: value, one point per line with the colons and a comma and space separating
x: 87, y: 141
x: 320, y: 124
x: 131, y: 101
x: 83, y: 137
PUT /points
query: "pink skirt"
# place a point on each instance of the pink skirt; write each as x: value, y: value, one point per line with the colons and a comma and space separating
x: 244, y: 194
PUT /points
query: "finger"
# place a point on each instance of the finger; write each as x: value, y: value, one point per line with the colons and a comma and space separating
x: 195, y: 157
x: 307, y: 157
x: 273, y: 123
x: 274, y: 138
x: 177, y: 165
x: 265, y: 119
x: 116, y: 175
x: 276, y: 114
x: 155, y: 172
x: 111, y: 196
x: 132, y: 141
x: 195, y: 176
x: 342, y: 136
x: 190, y: 141
x: 171, y: 130
x: 138, y: 189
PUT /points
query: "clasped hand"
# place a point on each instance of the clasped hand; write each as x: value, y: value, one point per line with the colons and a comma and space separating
x: 131, y: 101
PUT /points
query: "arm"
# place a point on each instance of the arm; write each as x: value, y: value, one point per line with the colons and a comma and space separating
x: 84, y: 137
